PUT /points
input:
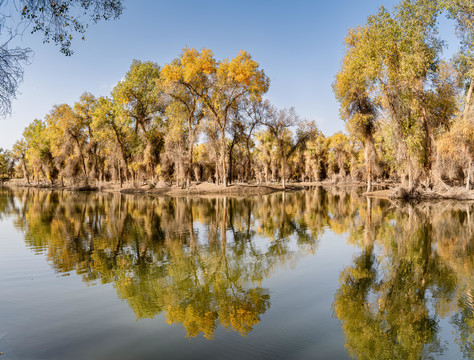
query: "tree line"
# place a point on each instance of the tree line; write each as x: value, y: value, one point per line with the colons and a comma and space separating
x: 408, y: 113
x: 410, y: 110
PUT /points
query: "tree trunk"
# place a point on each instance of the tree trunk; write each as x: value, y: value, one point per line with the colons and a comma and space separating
x: 369, y: 178
x: 231, y: 163
x: 150, y: 166
x: 428, y: 148
x: 122, y: 151
x: 468, y: 180
x: 216, y: 173
x: 223, y: 153
x: 120, y: 174
x: 189, y: 164
x: 83, y: 161
x: 283, y: 165
x: 468, y: 99
x: 249, y: 159
x: 25, y: 171
x: 283, y: 172
x: 177, y: 173
x: 368, y: 164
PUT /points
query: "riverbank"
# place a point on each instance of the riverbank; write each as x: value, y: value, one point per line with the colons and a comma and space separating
x: 203, y: 188
x: 422, y: 194
x: 161, y: 188
x: 386, y: 189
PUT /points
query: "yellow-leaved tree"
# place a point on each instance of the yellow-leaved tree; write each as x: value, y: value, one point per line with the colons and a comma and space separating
x: 218, y: 85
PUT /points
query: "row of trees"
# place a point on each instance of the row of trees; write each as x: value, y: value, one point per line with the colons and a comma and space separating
x: 149, y: 125
x: 195, y: 118
x: 7, y: 164
x: 408, y: 113
x: 397, y: 93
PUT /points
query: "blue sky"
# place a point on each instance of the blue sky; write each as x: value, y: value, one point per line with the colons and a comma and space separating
x: 299, y: 44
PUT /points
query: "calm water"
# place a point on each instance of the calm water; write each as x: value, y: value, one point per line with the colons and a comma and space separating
x: 304, y: 275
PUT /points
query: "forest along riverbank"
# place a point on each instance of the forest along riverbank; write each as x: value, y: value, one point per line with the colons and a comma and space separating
x: 385, y: 190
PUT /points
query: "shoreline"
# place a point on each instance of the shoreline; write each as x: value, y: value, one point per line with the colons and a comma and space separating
x: 391, y: 190
x: 198, y: 189
x: 459, y: 194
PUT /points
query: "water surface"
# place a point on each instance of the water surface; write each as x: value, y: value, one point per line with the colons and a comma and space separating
x: 301, y: 275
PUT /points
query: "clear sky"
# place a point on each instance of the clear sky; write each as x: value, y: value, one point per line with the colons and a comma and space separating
x: 298, y: 43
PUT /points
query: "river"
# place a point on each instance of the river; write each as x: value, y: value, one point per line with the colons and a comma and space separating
x: 311, y: 274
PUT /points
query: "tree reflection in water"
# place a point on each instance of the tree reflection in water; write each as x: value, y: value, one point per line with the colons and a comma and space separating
x: 415, y: 266
x: 195, y: 259
x: 201, y: 261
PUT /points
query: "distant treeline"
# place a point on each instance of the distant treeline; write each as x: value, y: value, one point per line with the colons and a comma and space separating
x: 408, y: 112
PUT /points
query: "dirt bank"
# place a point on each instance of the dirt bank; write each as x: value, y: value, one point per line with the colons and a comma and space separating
x: 423, y: 194
x: 204, y: 188
x: 387, y: 189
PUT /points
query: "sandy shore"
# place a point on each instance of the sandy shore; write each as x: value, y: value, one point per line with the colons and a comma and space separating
x: 389, y: 190
x: 204, y: 188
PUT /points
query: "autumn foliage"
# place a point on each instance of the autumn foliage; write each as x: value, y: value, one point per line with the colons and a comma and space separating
x: 408, y: 113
